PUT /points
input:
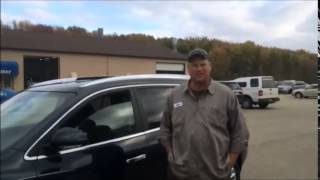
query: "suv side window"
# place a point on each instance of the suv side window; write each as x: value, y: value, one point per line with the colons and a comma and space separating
x: 106, y: 117
x: 153, y: 101
x: 254, y: 82
x: 243, y: 84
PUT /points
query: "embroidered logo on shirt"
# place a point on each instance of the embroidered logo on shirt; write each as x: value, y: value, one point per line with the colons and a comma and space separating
x: 178, y: 104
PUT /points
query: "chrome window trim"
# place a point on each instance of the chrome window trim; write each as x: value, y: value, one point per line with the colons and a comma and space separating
x: 44, y: 175
x: 28, y: 178
x: 97, y: 144
x: 28, y: 158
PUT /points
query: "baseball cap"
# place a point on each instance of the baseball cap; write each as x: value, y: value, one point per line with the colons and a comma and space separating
x: 197, y: 53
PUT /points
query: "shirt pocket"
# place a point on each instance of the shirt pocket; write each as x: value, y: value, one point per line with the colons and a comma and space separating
x: 178, y: 117
x: 217, y: 116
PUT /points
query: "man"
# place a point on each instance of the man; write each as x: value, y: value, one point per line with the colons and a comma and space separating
x: 203, y: 129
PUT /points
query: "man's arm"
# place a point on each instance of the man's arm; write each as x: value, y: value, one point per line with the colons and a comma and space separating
x: 239, y: 134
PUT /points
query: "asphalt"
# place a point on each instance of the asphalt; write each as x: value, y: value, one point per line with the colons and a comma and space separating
x: 283, y: 140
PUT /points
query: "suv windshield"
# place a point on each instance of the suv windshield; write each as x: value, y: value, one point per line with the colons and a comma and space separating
x: 25, y: 111
x: 233, y: 86
x: 268, y: 82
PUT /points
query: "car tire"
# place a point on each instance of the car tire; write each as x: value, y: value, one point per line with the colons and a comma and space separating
x: 298, y: 95
x: 246, y: 103
x: 263, y: 105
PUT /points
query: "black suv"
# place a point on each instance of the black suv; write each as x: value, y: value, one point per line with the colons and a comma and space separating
x: 86, y: 129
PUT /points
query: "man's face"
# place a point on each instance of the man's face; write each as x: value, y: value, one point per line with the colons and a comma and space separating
x: 199, y: 70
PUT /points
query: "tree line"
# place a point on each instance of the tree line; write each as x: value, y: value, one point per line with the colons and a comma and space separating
x: 229, y: 60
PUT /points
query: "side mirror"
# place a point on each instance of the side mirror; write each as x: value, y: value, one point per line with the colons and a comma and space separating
x: 68, y: 136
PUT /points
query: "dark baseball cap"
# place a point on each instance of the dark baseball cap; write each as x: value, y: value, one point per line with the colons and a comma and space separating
x: 197, y: 53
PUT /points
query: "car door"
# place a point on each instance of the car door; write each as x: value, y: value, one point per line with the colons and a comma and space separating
x: 315, y: 90
x: 114, y: 148
x: 307, y: 92
x: 254, y: 88
x: 152, y: 102
x: 310, y: 91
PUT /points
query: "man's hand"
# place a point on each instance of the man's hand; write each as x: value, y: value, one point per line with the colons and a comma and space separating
x: 232, y: 159
x: 169, y: 153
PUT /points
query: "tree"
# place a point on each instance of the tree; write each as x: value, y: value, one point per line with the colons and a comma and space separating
x: 220, y: 60
x: 24, y: 25
x: 167, y: 42
x: 59, y: 30
x: 42, y: 28
x: 4, y: 26
x: 75, y: 30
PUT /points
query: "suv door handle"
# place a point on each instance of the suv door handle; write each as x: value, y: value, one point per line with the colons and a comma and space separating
x: 136, y: 159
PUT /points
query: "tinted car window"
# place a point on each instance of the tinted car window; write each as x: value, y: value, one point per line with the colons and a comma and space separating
x: 268, y: 82
x: 235, y: 86
x: 314, y: 86
x: 153, y: 100
x: 243, y: 84
x: 25, y: 111
x: 106, y: 117
x: 254, y: 83
x: 290, y: 83
x: 232, y: 86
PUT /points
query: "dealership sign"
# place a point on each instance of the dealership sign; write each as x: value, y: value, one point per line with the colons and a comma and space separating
x: 5, y: 71
x: 9, y: 68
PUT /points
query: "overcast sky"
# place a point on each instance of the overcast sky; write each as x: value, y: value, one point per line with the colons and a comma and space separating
x: 284, y: 24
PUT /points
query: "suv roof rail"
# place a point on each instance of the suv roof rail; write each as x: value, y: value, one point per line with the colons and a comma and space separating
x: 68, y: 80
x: 140, y: 76
x: 93, y: 77
x: 55, y: 81
x: 100, y: 79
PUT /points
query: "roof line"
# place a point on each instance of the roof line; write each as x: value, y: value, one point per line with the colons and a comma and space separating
x: 48, y: 42
x: 98, y: 54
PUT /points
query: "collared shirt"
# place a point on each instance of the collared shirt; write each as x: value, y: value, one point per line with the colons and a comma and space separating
x: 202, y: 131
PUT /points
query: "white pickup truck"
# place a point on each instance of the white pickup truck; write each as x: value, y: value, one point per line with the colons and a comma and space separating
x: 258, y: 90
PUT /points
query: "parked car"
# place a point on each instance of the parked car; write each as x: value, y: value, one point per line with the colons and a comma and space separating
x: 80, y: 129
x: 284, y: 87
x: 258, y: 90
x: 309, y: 91
x: 236, y: 88
x: 287, y: 86
x: 6, y: 93
x: 299, y: 85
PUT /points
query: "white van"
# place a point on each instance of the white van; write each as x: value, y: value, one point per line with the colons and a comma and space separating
x: 258, y: 90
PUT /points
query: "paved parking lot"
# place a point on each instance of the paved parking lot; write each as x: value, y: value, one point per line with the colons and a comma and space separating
x: 283, y: 140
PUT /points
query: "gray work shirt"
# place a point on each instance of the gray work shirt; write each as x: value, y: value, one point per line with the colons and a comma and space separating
x: 202, y: 131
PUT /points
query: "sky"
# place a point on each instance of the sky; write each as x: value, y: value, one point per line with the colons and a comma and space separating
x: 288, y: 24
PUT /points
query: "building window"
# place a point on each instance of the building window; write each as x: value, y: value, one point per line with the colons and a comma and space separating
x: 6, y: 81
x: 170, y: 68
x: 40, y: 68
